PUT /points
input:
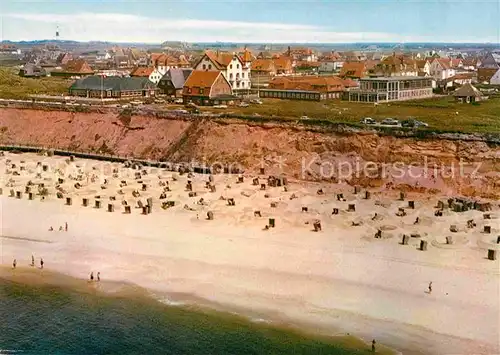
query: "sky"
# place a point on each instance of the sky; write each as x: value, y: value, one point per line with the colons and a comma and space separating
x: 259, y: 21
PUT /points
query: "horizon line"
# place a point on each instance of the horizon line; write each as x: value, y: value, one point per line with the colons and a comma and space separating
x: 238, y: 42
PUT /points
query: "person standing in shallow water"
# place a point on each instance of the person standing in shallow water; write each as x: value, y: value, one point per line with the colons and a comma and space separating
x: 92, y: 276
x: 98, y: 276
x: 65, y: 226
x: 14, y: 264
x: 41, y: 263
x: 32, y: 260
x: 430, y: 287
x: 373, y: 345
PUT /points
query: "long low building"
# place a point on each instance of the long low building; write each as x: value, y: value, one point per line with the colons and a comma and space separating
x: 311, y: 88
x: 387, y: 89
x: 112, y: 87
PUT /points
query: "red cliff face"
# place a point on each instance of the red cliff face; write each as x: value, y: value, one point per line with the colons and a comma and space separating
x: 437, y: 165
x: 143, y: 137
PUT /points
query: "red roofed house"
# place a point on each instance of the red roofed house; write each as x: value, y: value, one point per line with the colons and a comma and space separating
x: 305, y: 66
x: 263, y: 66
x: 353, y: 70
x: 283, y: 65
x: 396, y: 65
x: 471, y: 63
x: 459, y: 79
x: 330, y: 62
x: 165, y: 62
x: 441, y: 69
x: 424, y: 67
x: 301, y: 54
x: 204, y: 87
x: 146, y: 72
x: 262, y: 72
x: 232, y: 66
x: 246, y: 57
x: 457, y: 63
x: 74, y: 68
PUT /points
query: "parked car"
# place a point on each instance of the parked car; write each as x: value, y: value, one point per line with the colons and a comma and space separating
x: 412, y: 123
x: 368, y: 120
x: 304, y: 118
x: 243, y: 104
x: 220, y: 106
x: 135, y: 103
x: 390, y: 122
x: 178, y: 101
x: 421, y: 124
x: 191, y: 105
x: 256, y: 101
x: 180, y: 111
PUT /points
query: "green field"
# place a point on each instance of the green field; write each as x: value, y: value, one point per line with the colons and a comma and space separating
x: 12, y: 86
x: 441, y: 113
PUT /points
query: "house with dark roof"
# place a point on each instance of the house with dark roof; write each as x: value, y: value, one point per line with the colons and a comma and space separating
x: 207, y: 87
x: 31, y: 70
x: 495, y: 79
x: 490, y: 65
x: 469, y: 94
x: 63, y: 58
x: 114, y: 87
x: 491, y: 61
x: 173, y: 81
x: 74, y: 68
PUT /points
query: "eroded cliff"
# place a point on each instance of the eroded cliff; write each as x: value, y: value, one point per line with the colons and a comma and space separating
x: 299, y: 152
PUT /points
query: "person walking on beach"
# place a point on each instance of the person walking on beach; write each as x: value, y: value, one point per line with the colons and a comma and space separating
x: 92, y: 276
x: 14, y: 264
x: 373, y: 345
x: 32, y: 260
x: 65, y: 226
x: 430, y: 287
x: 98, y: 276
x: 41, y: 263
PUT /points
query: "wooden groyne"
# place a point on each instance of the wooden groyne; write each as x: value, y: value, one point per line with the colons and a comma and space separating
x: 197, y: 168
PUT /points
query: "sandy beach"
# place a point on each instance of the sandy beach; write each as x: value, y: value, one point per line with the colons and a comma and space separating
x: 338, y: 280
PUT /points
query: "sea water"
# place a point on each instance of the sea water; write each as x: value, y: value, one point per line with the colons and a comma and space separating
x: 42, y: 319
